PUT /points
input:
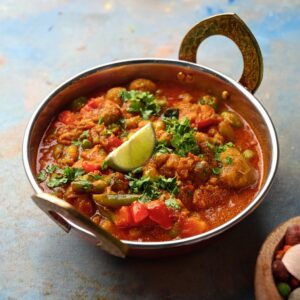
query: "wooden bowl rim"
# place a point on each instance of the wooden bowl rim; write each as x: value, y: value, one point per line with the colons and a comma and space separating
x: 264, y: 283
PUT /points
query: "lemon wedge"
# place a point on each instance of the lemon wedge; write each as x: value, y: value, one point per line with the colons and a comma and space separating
x: 135, y: 152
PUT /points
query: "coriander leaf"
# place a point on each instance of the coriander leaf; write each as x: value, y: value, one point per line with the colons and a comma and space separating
x: 42, y: 176
x: 161, y: 147
x: 104, y: 165
x: 216, y: 171
x: 85, y: 134
x: 183, y: 139
x: 95, y: 176
x: 100, y: 121
x: 77, y: 143
x: 151, y: 189
x: 51, y: 168
x: 143, y: 103
x: 64, y: 176
x: 228, y: 160
x: 57, y: 181
x: 173, y: 203
x: 168, y: 184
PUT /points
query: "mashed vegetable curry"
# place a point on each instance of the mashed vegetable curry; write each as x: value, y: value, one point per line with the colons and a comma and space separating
x: 205, y: 167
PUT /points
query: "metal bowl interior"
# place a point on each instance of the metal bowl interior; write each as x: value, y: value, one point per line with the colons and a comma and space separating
x: 203, y: 78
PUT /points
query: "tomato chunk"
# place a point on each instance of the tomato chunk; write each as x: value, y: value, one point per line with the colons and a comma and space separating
x: 90, y: 167
x: 192, y: 226
x: 207, y: 122
x: 139, y: 212
x: 112, y: 143
x: 160, y: 214
x: 123, y: 217
x: 67, y: 117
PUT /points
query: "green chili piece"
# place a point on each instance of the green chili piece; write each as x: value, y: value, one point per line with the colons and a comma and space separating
x: 115, y: 200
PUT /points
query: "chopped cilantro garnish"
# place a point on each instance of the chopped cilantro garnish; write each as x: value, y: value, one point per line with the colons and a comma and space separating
x: 228, y: 160
x: 183, y: 139
x: 100, y: 121
x: 216, y: 171
x: 143, y: 103
x: 151, y: 189
x: 84, y: 135
x: 64, y: 176
x: 162, y: 147
x: 104, y: 165
x: 95, y: 176
x: 173, y: 203
x: 51, y: 168
x: 42, y: 176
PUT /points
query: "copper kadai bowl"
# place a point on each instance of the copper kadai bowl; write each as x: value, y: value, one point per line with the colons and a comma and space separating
x: 184, y: 72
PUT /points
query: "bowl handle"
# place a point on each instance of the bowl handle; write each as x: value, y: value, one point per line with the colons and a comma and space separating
x: 231, y: 26
x: 67, y: 217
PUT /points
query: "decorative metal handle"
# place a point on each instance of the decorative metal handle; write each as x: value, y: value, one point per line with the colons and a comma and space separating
x: 231, y: 26
x: 67, y: 217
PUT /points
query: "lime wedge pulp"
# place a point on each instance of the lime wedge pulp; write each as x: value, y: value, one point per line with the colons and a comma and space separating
x: 135, y: 152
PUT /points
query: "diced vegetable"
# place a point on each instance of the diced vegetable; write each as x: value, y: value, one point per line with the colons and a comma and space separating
x: 159, y: 213
x: 139, y: 212
x: 192, y: 226
x: 67, y: 117
x: 226, y: 130
x: 207, y: 122
x: 248, y: 154
x: 232, y: 118
x: 90, y: 166
x: 142, y: 84
x: 86, y: 144
x: 123, y: 217
x: 99, y: 186
x: 112, y: 143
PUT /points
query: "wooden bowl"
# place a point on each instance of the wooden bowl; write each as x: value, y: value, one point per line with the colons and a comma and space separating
x: 265, y: 288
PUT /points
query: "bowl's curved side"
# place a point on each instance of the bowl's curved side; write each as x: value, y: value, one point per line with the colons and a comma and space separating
x: 162, y: 69
x: 265, y: 287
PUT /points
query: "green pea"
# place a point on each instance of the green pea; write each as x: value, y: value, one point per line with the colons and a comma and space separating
x: 174, y: 231
x: 86, y: 144
x: 284, y: 289
x: 248, y: 154
x: 78, y: 103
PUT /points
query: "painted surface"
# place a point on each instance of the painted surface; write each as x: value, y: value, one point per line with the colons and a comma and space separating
x: 45, y: 42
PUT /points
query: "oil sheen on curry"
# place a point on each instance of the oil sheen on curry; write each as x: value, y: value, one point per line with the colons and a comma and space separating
x: 205, y: 166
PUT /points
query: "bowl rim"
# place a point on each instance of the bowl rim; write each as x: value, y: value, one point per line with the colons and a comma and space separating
x: 196, y: 67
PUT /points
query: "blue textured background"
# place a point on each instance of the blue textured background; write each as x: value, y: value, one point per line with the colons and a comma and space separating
x: 45, y: 42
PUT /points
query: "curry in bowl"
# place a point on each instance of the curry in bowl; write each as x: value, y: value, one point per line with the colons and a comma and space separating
x: 204, y: 167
